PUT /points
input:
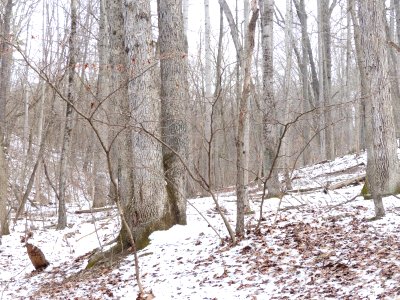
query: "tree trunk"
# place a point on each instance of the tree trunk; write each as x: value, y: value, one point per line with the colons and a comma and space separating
x: 304, y: 78
x: 382, y: 166
x: 4, y: 228
x: 100, y: 183
x: 269, y: 103
x: 174, y: 97
x: 66, y: 144
x: 241, y: 184
x: 147, y: 209
x: 325, y: 81
x: 5, y: 67
x: 5, y: 79
x: 363, y: 80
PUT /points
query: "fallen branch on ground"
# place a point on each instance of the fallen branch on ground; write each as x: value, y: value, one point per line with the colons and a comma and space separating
x: 94, y: 210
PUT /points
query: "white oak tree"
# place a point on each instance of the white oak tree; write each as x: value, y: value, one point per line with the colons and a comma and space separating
x: 382, y: 166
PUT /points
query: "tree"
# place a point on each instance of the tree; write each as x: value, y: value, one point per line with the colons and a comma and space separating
x: 146, y: 206
x: 5, y: 80
x: 382, y: 166
x: 361, y: 139
x: 325, y: 76
x: 241, y: 184
x: 269, y: 102
x: 174, y: 99
x: 66, y: 144
x: 100, y: 183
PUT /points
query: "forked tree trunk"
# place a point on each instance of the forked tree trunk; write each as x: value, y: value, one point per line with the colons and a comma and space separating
x: 382, y: 166
x: 241, y: 184
x: 241, y: 57
x: 147, y: 209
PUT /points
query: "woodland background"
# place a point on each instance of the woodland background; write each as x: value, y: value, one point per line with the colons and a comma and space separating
x: 107, y: 102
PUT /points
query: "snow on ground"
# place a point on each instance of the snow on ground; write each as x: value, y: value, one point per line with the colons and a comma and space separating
x: 317, y: 246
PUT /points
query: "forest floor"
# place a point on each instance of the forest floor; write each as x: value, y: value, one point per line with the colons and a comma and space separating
x: 312, y: 245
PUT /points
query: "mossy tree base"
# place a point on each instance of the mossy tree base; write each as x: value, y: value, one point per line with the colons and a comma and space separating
x: 141, y: 235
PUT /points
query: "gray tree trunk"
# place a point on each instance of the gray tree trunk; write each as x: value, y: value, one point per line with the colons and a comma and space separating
x: 363, y: 80
x: 241, y: 184
x: 4, y: 227
x: 147, y: 209
x: 306, y: 101
x: 100, y: 182
x: 241, y: 57
x: 269, y: 103
x: 66, y: 144
x: 174, y: 99
x: 6, y: 62
x: 382, y: 166
x: 5, y: 79
x: 325, y: 79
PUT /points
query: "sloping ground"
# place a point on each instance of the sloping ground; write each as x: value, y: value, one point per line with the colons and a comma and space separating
x: 318, y: 246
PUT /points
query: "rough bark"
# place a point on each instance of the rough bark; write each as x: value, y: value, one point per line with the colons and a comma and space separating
x: 5, y: 79
x: 269, y: 102
x: 174, y: 99
x: 394, y: 81
x: 66, y: 144
x: 382, y: 166
x: 302, y: 15
x: 100, y: 184
x: 363, y: 80
x: 325, y: 79
x: 5, y: 66
x: 304, y: 77
x: 147, y: 208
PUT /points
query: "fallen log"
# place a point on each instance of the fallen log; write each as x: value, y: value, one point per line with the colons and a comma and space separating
x: 331, y: 186
x: 95, y: 210
x: 347, y: 182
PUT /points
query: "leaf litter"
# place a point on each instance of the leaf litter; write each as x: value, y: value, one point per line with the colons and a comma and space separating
x: 316, y: 246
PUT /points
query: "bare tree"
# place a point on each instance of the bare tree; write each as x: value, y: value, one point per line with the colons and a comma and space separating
x: 325, y: 9
x: 241, y: 184
x: 361, y: 138
x: 66, y: 145
x: 5, y: 80
x: 270, y: 116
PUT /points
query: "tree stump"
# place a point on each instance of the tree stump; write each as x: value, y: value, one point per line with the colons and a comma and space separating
x: 36, y: 256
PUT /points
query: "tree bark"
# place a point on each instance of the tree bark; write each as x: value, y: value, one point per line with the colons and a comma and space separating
x: 363, y: 80
x: 382, y: 166
x: 5, y: 73
x: 241, y: 184
x: 174, y: 98
x: 325, y: 79
x: 66, y: 145
x: 147, y: 208
x: 4, y: 224
x: 100, y: 183
x: 269, y: 103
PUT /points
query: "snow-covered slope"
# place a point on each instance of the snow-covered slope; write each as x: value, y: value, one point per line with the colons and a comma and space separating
x: 317, y: 246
